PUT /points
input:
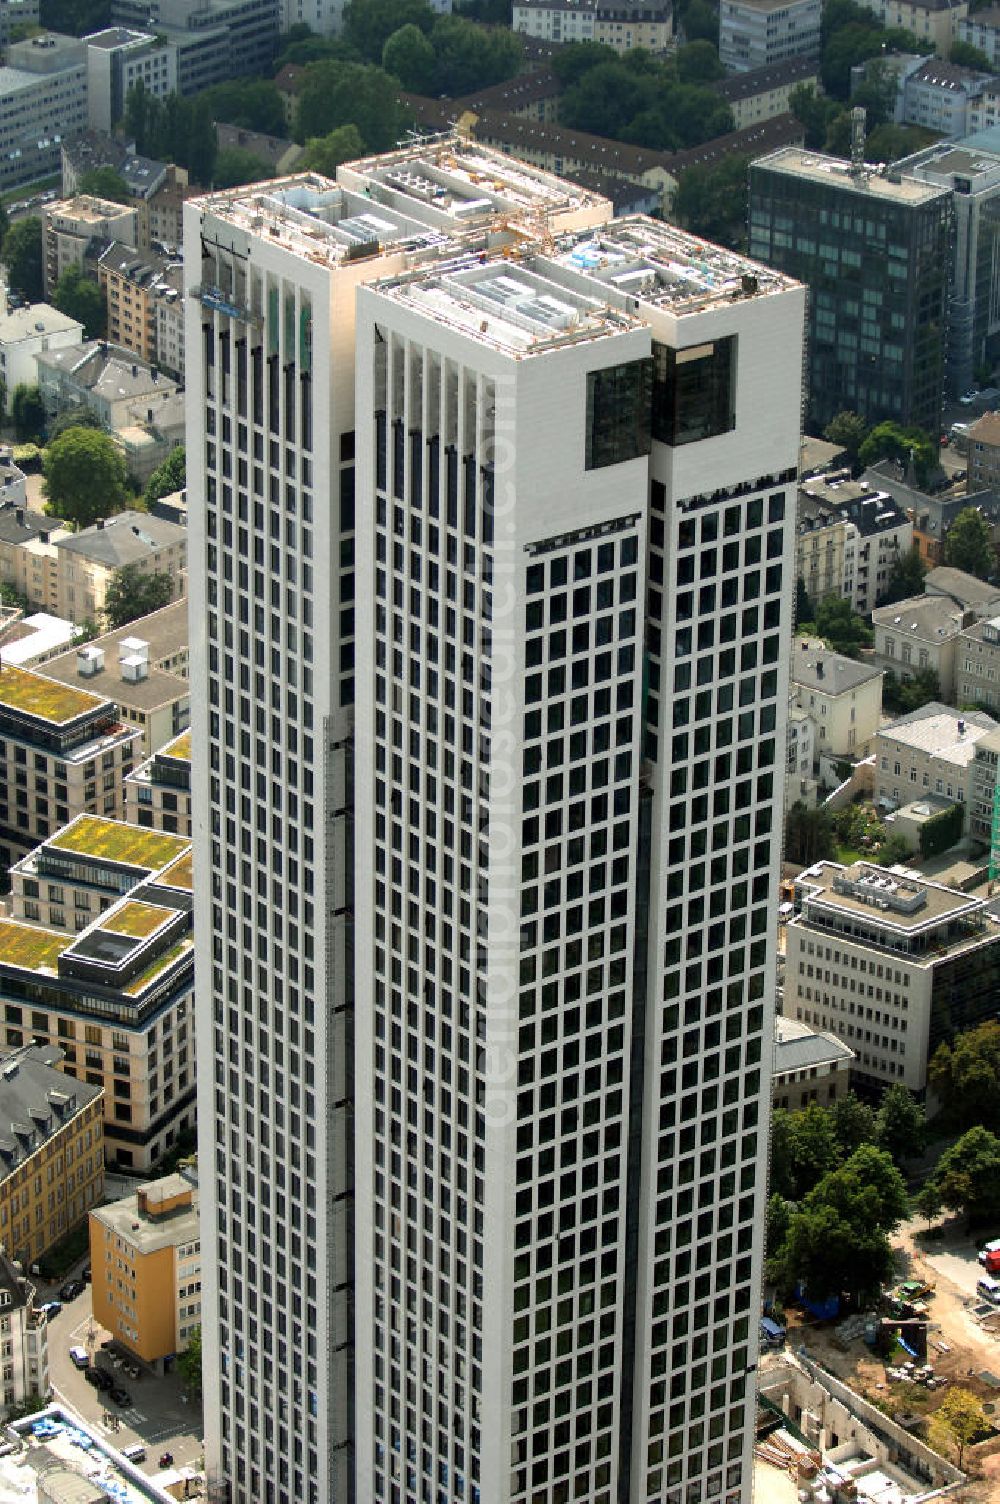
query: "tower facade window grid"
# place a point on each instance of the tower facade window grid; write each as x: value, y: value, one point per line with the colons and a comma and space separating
x: 521, y: 1042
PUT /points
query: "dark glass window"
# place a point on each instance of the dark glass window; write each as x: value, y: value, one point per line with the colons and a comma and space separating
x: 694, y: 391
x: 618, y: 413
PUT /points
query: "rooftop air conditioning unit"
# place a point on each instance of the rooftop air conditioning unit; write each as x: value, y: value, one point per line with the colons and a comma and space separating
x: 89, y: 661
x: 134, y: 669
x: 133, y: 647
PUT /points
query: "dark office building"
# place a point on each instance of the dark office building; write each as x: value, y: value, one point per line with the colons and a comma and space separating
x: 874, y: 248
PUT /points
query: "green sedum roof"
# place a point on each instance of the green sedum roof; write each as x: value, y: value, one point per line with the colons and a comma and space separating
x: 31, y: 947
x: 34, y: 694
x: 136, y: 919
x: 118, y: 841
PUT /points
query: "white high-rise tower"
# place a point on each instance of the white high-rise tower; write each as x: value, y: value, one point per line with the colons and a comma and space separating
x: 488, y: 830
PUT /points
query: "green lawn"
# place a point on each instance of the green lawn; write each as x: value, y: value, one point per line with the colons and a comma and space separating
x: 849, y: 856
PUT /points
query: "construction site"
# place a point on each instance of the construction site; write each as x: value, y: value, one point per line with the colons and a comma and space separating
x: 846, y: 1405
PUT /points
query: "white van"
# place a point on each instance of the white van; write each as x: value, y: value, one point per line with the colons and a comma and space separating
x: 134, y: 1453
x: 80, y: 1357
x: 989, y: 1289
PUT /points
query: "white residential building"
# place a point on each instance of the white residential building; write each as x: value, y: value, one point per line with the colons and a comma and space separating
x: 809, y: 1066
x: 758, y: 33
x: 920, y: 634
x: 891, y: 963
x: 534, y: 834
x: 28, y: 332
x: 24, y: 1345
x: 931, y: 750
x: 843, y: 698
x: 939, y: 96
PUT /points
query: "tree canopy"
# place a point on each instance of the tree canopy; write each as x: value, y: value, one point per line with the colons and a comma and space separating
x: 175, y: 129
x: 968, y: 544
x: 900, y: 1124
x: 133, y: 592
x: 253, y: 103
x: 849, y: 430
x: 28, y: 412
x: 905, y: 445
x: 325, y: 153
x: 166, y: 478
x: 189, y: 1363
x: 105, y: 182
x: 84, y: 476
x: 235, y: 165
x: 965, y: 1077
x: 803, y: 1149
x: 853, y: 1123
x: 79, y: 298
x: 409, y: 55
x: 906, y: 578
x: 841, y: 628
x: 959, y: 1421
x: 808, y: 834
x: 23, y: 255
x: 76, y: 417
x: 968, y: 1175
x: 698, y: 62
x: 837, y: 1239
x: 711, y: 201
x: 967, y: 56
x: 76, y: 18
x: 368, y: 24
x: 851, y: 34
x: 643, y: 100
x: 334, y: 94
x: 900, y: 696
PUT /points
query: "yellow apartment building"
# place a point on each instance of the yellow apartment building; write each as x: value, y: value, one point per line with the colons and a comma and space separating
x: 145, y: 1254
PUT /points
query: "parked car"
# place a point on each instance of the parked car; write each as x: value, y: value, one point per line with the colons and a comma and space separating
x: 98, y: 1378
x: 51, y: 1308
x: 135, y: 1453
x: 85, y: 1274
x: 71, y: 1289
x: 79, y: 1357
x: 120, y: 1396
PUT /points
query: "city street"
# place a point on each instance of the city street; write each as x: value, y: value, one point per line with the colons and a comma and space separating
x: 159, y: 1417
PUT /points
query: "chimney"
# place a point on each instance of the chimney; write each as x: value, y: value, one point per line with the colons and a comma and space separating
x: 819, y: 668
x: 961, y: 726
x: 100, y: 524
x: 19, y: 514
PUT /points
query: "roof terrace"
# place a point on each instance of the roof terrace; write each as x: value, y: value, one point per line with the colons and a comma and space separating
x: 511, y: 306
x: 459, y: 182
x: 314, y: 218
x: 661, y: 265
x: 891, y: 910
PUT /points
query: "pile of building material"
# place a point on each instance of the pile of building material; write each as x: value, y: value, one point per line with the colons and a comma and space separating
x: 912, y: 1373
x: 782, y: 1449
